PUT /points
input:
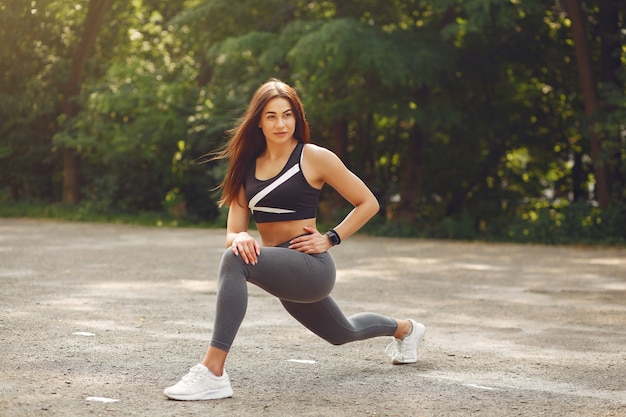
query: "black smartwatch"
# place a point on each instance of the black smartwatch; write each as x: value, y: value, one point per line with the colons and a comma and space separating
x: 333, y: 237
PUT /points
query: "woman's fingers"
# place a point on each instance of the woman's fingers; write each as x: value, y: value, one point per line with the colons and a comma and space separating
x: 248, y: 250
x: 313, y: 243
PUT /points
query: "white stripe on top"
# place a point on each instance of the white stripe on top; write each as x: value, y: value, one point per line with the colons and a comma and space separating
x: 265, y: 191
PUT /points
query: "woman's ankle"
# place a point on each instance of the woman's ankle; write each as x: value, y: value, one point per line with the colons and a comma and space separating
x: 214, y: 360
x: 404, y: 328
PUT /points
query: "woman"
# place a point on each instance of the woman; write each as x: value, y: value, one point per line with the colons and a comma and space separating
x: 276, y: 175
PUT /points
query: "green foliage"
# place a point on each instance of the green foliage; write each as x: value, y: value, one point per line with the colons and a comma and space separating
x: 577, y: 223
x: 463, y: 116
x: 86, y: 212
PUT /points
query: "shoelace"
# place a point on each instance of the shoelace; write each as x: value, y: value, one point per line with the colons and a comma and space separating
x: 192, y: 376
x: 394, y: 348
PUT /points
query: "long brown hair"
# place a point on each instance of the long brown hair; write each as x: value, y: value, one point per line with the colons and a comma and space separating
x: 247, y: 141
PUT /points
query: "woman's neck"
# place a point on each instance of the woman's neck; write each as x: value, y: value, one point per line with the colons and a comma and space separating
x: 278, y: 152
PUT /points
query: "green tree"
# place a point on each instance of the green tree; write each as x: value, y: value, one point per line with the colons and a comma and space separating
x: 29, y: 86
x: 70, y: 107
x: 466, y: 117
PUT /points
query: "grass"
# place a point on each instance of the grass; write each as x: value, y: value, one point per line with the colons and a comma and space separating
x: 88, y: 214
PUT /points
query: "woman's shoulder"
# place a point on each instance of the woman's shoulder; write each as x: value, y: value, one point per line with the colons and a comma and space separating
x: 318, y: 153
x: 321, y: 160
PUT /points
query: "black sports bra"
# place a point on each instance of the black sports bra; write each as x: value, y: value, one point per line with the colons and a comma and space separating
x: 287, y: 196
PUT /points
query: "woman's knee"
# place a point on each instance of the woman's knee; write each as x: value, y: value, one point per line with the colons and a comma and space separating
x: 231, y: 264
x: 337, y: 341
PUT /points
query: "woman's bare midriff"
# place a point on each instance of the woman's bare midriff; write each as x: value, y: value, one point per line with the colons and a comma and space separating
x: 275, y: 233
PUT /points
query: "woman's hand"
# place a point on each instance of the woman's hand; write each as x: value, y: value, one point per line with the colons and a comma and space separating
x: 247, y: 247
x: 315, y: 242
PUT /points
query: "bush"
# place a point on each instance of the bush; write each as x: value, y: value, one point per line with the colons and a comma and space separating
x: 574, y: 223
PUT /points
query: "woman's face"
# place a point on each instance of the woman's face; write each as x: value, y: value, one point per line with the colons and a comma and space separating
x: 278, y: 121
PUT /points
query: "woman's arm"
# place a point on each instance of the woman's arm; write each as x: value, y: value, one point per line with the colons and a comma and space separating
x: 237, y: 236
x: 333, y: 172
x: 323, y: 166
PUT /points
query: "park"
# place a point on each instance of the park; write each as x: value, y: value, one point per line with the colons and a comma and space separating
x: 490, y: 133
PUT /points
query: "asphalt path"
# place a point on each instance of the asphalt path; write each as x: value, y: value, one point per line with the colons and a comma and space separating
x: 96, y: 319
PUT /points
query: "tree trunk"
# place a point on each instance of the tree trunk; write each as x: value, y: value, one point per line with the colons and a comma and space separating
x: 339, y: 137
x: 95, y: 14
x: 366, y: 143
x: 591, y: 100
x: 412, y: 173
x: 609, y: 31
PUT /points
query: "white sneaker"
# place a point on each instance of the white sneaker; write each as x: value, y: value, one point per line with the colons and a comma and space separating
x: 405, y: 350
x: 200, y: 384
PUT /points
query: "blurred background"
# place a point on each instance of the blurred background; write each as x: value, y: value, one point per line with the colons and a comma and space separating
x: 496, y: 120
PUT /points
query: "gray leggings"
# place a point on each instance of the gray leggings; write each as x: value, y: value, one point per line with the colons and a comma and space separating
x: 303, y: 283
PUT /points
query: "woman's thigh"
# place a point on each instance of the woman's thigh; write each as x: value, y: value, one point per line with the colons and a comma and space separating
x: 286, y: 273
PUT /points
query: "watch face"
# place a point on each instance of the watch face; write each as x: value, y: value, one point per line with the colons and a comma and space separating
x: 334, y: 239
